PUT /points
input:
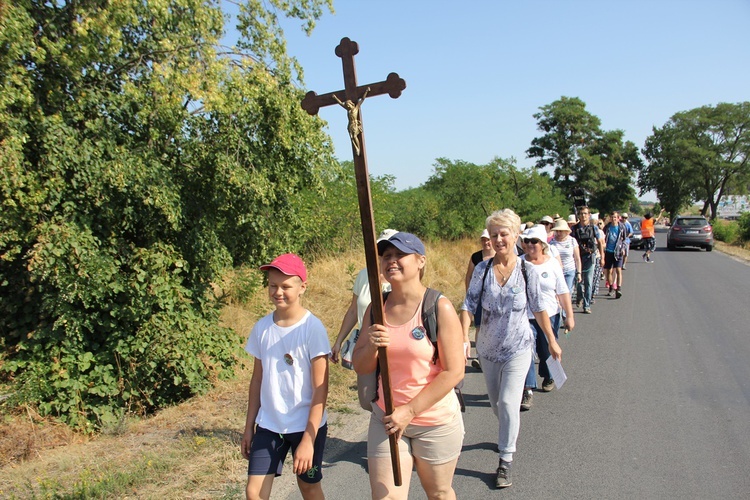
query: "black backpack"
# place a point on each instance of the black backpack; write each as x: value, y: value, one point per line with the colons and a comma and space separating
x: 586, y: 237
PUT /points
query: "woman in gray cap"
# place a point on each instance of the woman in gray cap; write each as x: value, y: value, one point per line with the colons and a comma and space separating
x: 426, y: 417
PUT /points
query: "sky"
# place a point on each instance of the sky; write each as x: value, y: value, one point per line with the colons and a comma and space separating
x: 477, y: 71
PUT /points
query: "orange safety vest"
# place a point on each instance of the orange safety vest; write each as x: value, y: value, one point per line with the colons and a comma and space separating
x: 647, y: 228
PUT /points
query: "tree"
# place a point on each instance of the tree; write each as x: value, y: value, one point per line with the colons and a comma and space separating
x: 608, y: 175
x: 332, y: 218
x: 139, y: 159
x: 707, y: 148
x: 667, y: 172
x: 568, y: 128
x: 456, y: 200
x: 584, y: 156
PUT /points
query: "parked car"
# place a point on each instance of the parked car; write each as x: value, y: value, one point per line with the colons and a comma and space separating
x: 636, y: 241
x: 690, y: 231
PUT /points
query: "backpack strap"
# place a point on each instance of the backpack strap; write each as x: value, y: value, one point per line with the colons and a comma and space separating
x: 429, y: 317
x: 430, y: 323
x: 525, y: 281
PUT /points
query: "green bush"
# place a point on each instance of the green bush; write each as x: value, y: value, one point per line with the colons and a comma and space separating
x: 726, y: 231
x: 110, y: 333
x: 136, y: 164
x: 744, y: 226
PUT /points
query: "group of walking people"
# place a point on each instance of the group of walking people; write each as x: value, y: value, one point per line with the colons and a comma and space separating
x: 518, y: 293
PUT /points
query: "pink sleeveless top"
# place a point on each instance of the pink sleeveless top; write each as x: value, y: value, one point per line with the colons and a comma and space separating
x: 411, y: 369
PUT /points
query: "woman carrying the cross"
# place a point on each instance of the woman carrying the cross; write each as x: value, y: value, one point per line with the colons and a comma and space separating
x: 426, y: 418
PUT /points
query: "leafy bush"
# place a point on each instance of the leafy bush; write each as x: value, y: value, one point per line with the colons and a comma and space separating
x: 744, y: 226
x: 136, y: 165
x: 726, y: 231
x: 331, y: 219
x: 456, y: 200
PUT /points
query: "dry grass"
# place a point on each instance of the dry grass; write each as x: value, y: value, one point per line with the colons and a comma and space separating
x: 741, y: 252
x: 191, y: 450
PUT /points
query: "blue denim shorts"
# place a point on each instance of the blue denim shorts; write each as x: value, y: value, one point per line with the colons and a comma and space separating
x: 269, y: 449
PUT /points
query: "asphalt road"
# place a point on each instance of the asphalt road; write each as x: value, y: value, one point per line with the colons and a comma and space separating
x: 657, y: 402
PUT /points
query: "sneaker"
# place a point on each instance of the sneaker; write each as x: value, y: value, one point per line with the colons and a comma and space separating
x: 609, y: 293
x: 586, y: 310
x: 475, y: 364
x: 645, y: 258
x: 548, y: 384
x: 503, y: 475
x: 579, y: 302
x: 527, y: 400
x: 618, y: 293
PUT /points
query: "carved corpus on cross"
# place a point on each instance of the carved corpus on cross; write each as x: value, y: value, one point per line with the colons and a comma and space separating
x: 351, y: 99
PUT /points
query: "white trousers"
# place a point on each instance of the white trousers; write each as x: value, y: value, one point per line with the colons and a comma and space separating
x: 505, y: 382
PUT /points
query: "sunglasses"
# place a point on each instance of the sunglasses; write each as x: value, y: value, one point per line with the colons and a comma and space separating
x: 531, y: 241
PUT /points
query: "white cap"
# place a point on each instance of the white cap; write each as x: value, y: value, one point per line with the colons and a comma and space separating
x: 386, y: 234
x: 485, y: 234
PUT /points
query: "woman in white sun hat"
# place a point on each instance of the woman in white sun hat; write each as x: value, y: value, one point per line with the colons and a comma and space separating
x: 554, y: 294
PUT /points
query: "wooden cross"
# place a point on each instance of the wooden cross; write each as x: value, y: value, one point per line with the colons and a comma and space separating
x: 351, y: 99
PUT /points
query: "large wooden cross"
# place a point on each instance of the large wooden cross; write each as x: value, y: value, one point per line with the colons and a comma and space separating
x: 351, y: 99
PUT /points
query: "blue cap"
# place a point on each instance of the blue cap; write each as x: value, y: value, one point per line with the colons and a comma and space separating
x: 406, y: 242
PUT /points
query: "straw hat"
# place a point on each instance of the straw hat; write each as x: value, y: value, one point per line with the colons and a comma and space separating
x: 546, y: 220
x: 561, y: 225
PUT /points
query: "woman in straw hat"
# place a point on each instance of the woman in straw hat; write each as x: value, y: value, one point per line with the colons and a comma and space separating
x: 569, y: 252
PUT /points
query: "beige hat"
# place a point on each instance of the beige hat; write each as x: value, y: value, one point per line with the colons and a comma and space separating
x: 572, y: 219
x: 546, y: 219
x: 624, y: 215
x: 561, y: 225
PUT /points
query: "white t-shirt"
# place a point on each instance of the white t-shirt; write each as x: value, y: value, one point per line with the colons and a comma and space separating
x: 551, y: 282
x: 361, y: 289
x: 553, y: 251
x: 566, y: 248
x: 286, y: 390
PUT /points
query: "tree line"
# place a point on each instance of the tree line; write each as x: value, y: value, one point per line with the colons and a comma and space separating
x: 140, y: 160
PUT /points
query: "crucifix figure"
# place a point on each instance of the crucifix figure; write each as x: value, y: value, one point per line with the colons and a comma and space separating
x: 392, y: 85
x: 355, y: 125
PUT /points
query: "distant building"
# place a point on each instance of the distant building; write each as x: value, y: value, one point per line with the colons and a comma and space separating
x: 732, y: 206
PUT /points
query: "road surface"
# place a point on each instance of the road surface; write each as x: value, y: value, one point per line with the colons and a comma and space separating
x: 657, y: 402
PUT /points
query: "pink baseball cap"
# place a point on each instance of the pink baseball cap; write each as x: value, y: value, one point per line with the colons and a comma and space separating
x: 289, y: 264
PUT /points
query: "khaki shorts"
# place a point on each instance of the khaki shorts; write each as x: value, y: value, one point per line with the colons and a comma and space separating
x: 435, y: 445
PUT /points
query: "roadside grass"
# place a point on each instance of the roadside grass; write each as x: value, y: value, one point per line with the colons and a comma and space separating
x: 192, y: 450
x: 740, y: 251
